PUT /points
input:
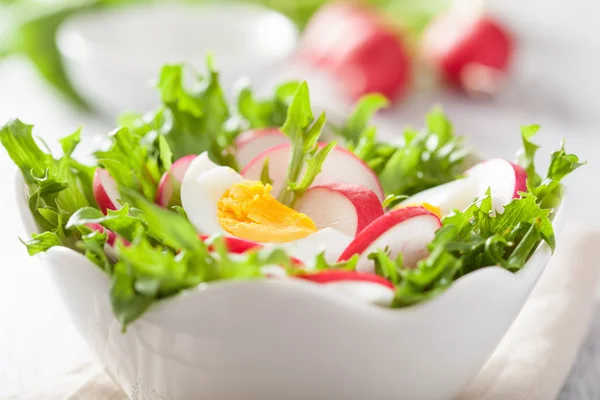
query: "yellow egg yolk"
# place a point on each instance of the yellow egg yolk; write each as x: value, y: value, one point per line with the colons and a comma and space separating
x: 248, y: 210
x: 435, y: 210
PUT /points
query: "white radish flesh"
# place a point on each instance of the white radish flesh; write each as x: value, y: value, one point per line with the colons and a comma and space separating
x: 253, y: 142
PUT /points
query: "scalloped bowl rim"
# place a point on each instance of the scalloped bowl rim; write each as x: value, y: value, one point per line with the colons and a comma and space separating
x: 541, y: 254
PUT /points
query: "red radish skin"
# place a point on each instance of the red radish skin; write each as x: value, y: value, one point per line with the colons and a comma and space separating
x: 420, y: 225
x: 170, y: 182
x: 378, y: 65
x: 253, y: 142
x: 340, y: 166
x: 105, y: 191
x: 346, y: 207
x: 325, y: 31
x: 335, y: 275
x: 364, y: 56
x: 461, y: 49
x: 240, y: 246
x: 111, y: 237
x: 520, y: 180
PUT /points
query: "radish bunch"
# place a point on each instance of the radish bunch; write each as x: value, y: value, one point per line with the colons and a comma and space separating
x: 364, y: 53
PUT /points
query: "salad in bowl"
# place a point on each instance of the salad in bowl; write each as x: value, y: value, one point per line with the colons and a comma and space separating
x: 218, y: 249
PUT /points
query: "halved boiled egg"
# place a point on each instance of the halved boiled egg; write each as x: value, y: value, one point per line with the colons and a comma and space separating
x: 218, y: 200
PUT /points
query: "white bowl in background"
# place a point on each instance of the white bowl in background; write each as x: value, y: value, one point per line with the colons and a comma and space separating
x: 113, y: 55
x: 291, y: 339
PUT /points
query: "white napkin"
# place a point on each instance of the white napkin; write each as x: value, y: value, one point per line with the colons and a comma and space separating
x: 536, y: 355
x: 531, y: 362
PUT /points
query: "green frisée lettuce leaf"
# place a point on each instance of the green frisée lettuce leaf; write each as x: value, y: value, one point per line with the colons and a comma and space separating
x: 163, y: 255
x: 56, y: 188
x: 478, y: 237
x: 158, y: 253
x: 526, y: 154
x: 193, y: 118
x: 252, y: 113
x: 132, y: 163
x: 358, y: 122
x: 425, y: 158
x: 548, y: 190
x: 306, y: 157
x: 419, y: 161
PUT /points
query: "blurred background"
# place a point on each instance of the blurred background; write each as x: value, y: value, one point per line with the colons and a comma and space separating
x: 493, y: 65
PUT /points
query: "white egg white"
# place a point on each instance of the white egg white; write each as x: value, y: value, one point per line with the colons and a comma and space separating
x: 453, y: 195
x: 201, y: 189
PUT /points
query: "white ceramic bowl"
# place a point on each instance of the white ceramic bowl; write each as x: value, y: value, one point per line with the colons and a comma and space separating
x: 291, y: 339
x: 112, y: 55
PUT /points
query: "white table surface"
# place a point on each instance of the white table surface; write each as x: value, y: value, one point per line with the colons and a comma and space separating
x: 558, y: 87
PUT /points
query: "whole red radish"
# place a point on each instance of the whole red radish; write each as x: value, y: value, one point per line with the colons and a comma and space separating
x: 471, y: 52
x: 363, y: 53
x: 325, y: 31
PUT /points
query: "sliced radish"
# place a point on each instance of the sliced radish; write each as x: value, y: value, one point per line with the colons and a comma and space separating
x: 110, y: 235
x: 236, y: 245
x: 340, y: 166
x: 405, y: 230
x: 463, y: 46
x: 168, y: 193
x: 503, y: 178
x: 453, y: 195
x: 328, y: 241
x: 362, y: 286
x: 105, y: 191
x: 346, y: 207
x: 253, y: 142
